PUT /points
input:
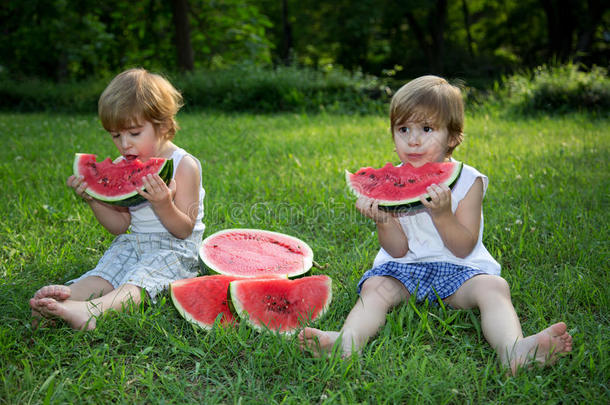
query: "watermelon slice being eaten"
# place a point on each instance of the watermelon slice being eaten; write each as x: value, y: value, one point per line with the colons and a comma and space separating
x: 116, y: 182
x: 254, y: 253
x: 280, y: 304
x: 398, y: 188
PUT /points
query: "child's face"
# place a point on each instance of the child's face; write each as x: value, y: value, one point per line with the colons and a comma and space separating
x: 421, y: 142
x: 139, y: 140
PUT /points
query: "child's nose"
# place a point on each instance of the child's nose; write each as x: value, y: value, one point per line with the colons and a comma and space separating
x: 125, y: 142
x: 413, y: 138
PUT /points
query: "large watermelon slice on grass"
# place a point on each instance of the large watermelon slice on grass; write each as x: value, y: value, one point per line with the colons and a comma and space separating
x: 255, y: 252
x: 398, y: 188
x: 116, y: 182
x: 280, y: 304
x: 202, y: 300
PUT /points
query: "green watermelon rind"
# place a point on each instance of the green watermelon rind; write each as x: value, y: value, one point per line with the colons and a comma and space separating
x: 127, y: 199
x: 207, y: 267
x: 410, y: 203
x: 242, y: 313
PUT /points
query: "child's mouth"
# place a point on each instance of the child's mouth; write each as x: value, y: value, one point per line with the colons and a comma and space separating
x: 131, y: 157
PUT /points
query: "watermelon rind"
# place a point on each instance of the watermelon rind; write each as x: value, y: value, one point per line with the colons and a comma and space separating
x: 241, y: 309
x: 128, y: 199
x: 409, y: 203
x: 208, y: 266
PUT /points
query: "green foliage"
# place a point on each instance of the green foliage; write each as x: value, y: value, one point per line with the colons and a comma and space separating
x: 250, y: 88
x: 557, y: 89
x: 545, y: 211
x: 241, y: 88
x: 65, y: 40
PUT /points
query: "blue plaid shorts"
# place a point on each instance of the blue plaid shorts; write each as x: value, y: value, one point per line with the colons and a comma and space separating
x: 426, y: 279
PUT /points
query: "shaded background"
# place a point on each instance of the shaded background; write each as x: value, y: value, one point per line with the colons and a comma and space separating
x: 69, y: 40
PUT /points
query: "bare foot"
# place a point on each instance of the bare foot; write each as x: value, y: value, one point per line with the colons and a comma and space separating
x: 38, y: 319
x: 55, y: 291
x: 75, y: 313
x: 320, y: 342
x: 541, y: 348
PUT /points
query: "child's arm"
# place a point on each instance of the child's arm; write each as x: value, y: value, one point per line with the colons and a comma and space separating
x: 389, y: 232
x: 177, y: 205
x: 458, y: 231
x: 115, y: 219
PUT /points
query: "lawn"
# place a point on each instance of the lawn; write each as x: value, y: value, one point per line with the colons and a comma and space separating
x: 546, y: 222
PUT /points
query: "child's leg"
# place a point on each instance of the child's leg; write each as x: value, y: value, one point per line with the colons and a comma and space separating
x: 501, y: 326
x: 81, y: 314
x: 377, y: 297
x: 82, y: 290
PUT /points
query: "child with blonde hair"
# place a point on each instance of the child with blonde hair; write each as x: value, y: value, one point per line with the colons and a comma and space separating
x: 157, y: 240
x: 437, y: 251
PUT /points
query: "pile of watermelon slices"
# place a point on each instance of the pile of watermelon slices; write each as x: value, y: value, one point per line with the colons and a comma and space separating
x: 258, y: 277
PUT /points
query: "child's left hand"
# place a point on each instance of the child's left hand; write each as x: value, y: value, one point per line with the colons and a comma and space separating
x: 156, y: 191
x: 440, y: 200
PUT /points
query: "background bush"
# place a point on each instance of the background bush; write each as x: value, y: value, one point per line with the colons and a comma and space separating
x: 557, y: 89
x: 246, y: 89
x: 249, y: 88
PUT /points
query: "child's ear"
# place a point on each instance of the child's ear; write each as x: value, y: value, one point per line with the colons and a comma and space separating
x: 163, y: 129
x: 452, y: 142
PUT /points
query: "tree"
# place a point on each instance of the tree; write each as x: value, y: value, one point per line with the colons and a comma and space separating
x: 431, y: 36
x: 182, y: 34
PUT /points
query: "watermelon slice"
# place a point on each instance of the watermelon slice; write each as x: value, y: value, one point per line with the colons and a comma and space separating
x: 398, y: 188
x: 281, y: 305
x: 255, y: 252
x: 116, y: 183
x: 200, y: 300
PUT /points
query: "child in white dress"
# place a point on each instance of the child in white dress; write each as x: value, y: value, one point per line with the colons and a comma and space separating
x: 138, y: 110
x: 437, y: 251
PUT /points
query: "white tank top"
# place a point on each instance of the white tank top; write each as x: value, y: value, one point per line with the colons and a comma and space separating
x: 143, y: 217
x: 425, y: 243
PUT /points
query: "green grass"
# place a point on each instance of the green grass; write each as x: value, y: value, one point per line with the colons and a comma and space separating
x: 546, y: 217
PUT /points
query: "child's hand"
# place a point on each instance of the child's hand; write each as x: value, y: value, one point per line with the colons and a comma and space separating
x: 440, y: 200
x: 79, y: 186
x: 156, y: 191
x: 370, y: 208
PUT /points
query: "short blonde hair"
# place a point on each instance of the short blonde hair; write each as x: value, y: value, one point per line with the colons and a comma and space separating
x: 137, y: 94
x: 431, y: 99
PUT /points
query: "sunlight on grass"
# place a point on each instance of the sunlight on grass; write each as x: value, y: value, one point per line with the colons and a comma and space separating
x: 546, y: 222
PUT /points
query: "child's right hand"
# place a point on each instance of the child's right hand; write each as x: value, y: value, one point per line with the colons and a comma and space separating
x: 79, y: 186
x: 370, y: 209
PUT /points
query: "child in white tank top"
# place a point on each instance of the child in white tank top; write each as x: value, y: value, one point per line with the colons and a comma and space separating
x: 436, y: 252
x: 138, y: 110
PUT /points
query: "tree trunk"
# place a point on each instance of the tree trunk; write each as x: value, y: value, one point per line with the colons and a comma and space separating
x: 467, y: 26
x: 561, y: 25
x: 432, y: 46
x: 595, y: 11
x: 183, y: 34
x: 287, y: 37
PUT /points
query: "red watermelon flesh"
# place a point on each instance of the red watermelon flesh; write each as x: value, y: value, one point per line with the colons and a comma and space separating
x: 116, y: 182
x: 281, y: 305
x: 400, y: 187
x: 201, y: 299
x: 255, y: 252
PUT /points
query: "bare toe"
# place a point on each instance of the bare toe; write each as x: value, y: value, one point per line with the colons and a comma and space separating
x: 55, y: 291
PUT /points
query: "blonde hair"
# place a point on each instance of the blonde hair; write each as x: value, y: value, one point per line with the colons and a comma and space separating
x: 137, y: 94
x: 430, y: 99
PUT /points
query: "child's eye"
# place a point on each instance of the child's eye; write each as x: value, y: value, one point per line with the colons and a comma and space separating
x: 404, y: 130
x: 428, y: 129
x: 134, y: 133
x: 115, y: 135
